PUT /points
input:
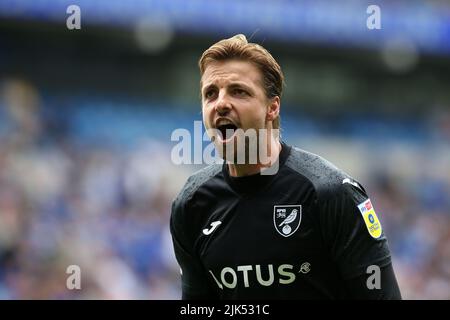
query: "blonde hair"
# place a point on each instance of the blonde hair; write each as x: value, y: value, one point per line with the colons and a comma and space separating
x: 237, y: 47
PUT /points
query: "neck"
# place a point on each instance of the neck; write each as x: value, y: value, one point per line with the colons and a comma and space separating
x: 273, y: 152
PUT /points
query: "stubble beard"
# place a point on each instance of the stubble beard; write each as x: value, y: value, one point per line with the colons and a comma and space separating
x: 244, y: 147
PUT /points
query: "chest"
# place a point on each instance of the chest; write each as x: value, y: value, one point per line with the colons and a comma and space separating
x: 270, y: 227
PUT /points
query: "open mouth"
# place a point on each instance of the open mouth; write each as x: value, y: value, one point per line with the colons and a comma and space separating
x: 227, y: 131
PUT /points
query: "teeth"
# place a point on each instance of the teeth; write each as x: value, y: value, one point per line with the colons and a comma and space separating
x: 223, y: 122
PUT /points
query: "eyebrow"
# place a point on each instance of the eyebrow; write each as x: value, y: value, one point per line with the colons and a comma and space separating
x: 209, y: 86
x: 231, y: 85
x: 240, y: 85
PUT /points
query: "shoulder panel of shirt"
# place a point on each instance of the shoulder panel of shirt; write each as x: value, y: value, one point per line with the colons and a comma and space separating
x: 328, y: 180
x: 195, y: 181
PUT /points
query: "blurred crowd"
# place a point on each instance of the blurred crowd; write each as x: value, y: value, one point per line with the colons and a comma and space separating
x: 105, y: 208
x: 100, y: 207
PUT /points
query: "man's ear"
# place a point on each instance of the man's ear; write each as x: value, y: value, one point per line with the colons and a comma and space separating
x: 273, y: 109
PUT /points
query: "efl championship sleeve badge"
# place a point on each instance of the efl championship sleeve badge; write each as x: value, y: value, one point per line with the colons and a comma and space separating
x: 370, y: 218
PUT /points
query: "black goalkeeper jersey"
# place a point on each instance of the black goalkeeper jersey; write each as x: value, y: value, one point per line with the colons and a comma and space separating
x: 302, y: 233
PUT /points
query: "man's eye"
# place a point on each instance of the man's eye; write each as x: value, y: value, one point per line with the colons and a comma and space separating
x: 240, y: 92
x: 208, y: 94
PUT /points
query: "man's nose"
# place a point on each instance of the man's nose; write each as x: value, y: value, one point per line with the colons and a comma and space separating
x: 223, y: 105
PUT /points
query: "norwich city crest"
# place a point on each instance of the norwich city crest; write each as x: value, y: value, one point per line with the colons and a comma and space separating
x: 287, y: 218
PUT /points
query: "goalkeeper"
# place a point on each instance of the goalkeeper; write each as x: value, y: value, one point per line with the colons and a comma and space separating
x: 289, y: 225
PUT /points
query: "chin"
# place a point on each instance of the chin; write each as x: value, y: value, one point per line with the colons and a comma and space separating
x: 233, y: 152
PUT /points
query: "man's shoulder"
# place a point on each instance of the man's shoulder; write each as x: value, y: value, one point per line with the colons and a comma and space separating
x: 195, y: 181
x: 327, y: 179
